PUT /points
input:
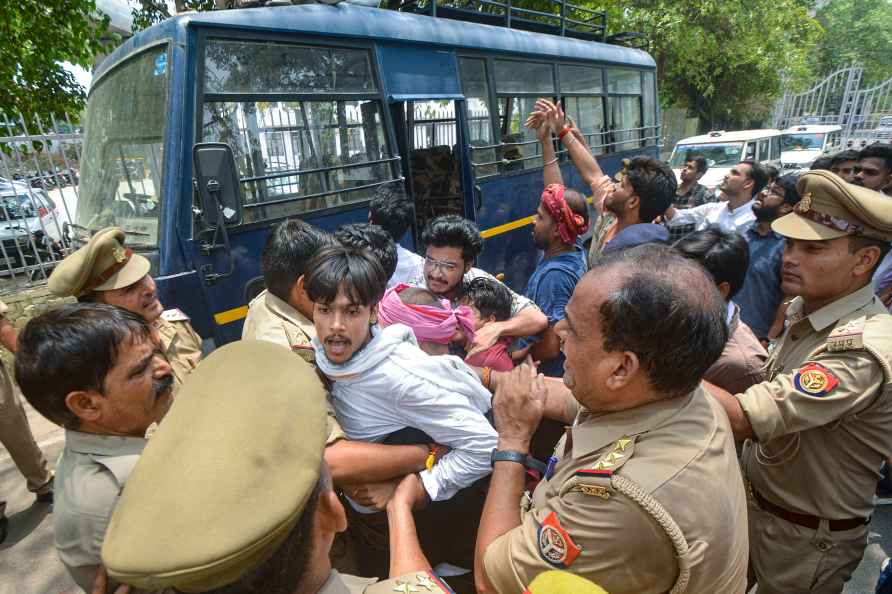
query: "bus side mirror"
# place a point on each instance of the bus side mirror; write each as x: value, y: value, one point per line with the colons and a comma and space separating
x: 217, y: 183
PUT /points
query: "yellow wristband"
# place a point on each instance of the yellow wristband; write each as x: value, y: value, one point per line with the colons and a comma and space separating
x: 431, y: 460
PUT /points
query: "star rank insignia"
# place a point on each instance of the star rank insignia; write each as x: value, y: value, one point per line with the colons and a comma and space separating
x: 404, y: 587
x: 423, y: 580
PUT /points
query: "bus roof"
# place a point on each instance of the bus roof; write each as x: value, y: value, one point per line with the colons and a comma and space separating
x: 734, y: 136
x: 359, y: 22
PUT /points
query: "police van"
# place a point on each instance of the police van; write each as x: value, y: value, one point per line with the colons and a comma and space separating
x: 723, y: 150
x: 801, y: 145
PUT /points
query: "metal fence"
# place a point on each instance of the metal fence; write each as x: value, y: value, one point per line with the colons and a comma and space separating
x: 841, y: 99
x: 39, y: 165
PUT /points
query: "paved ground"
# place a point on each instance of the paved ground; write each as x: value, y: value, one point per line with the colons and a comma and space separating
x: 28, y: 563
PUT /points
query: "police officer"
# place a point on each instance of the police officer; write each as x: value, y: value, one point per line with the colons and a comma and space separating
x: 105, y: 271
x: 643, y: 494
x: 15, y: 433
x: 821, y: 425
x: 232, y: 494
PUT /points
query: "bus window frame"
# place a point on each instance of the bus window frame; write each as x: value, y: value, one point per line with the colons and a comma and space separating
x: 203, y: 34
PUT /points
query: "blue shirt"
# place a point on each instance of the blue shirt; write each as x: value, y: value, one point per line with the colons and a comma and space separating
x: 550, y: 287
x: 761, y: 294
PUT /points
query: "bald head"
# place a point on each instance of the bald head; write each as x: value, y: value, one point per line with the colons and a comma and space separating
x: 663, y: 308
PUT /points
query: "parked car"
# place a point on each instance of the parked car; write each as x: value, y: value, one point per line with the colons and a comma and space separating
x: 29, y: 227
x: 801, y: 145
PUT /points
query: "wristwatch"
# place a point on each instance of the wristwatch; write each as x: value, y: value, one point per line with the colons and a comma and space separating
x: 524, y: 460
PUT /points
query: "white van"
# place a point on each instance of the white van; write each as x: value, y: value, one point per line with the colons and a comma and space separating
x: 801, y: 145
x: 723, y: 150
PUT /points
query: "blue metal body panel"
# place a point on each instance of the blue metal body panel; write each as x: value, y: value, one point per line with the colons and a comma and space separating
x: 416, y: 59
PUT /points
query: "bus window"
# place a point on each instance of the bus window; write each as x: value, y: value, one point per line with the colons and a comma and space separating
x: 518, y: 85
x: 750, y: 154
x: 581, y: 87
x: 301, y: 153
x: 775, y: 151
x: 624, y: 108
x: 475, y: 88
x: 651, y: 133
x: 122, y: 156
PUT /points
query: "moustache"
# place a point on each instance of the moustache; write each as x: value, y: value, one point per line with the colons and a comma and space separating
x: 163, y: 385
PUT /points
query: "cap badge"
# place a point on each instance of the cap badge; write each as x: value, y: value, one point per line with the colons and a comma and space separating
x: 804, y: 204
x: 119, y: 254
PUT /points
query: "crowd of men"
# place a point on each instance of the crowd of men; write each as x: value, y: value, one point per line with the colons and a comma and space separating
x: 699, y: 402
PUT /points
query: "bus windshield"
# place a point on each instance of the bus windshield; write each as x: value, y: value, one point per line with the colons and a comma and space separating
x: 715, y: 153
x: 122, y: 156
x: 802, y: 142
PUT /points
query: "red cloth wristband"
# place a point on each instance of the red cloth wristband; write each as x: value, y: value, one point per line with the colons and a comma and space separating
x: 564, y: 132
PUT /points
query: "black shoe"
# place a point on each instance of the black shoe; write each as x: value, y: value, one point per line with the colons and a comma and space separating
x: 4, y: 522
x: 45, y: 497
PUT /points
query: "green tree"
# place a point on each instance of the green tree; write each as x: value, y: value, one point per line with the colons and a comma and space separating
x: 857, y: 31
x: 722, y: 60
x: 38, y: 35
x: 150, y: 12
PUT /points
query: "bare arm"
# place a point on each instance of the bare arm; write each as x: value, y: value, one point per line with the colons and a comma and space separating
x: 528, y: 321
x: 9, y: 338
x: 558, y: 403
x: 574, y: 142
x: 361, y: 462
x: 740, y: 424
x: 406, y: 555
x: 551, y: 170
x: 548, y: 347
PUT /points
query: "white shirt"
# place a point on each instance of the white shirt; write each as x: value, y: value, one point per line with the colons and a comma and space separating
x: 409, y: 266
x: 715, y: 213
x: 391, y: 384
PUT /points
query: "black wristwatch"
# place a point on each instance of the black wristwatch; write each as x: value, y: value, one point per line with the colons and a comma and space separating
x: 524, y: 460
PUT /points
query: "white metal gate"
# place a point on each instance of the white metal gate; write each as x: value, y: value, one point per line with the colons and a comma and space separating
x: 39, y: 164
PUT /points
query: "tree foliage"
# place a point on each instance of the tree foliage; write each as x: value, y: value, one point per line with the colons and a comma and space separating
x: 37, y: 37
x: 858, y: 31
x: 722, y: 60
x: 150, y: 12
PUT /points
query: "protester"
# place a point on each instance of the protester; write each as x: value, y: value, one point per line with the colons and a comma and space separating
x: 104, y: 271
x: 724, y: 254
x: 734, y: 210
x: 771, y: 173
x: 489, y: 302
x: 15, y: 432
x: 822, y: 163
x: 433, y: 321
x: 562, y: 216
x: 843, y: 164
x: 874, y: 169
x: 690, y: 191
x: 384, y: 385
x: 393, y: 211
x: 283, y: 314
x: 373, y: 238
x: 761, y: 298
x: 648, y: 450
x: 644, y: 189
x: 181, y: 523
x: 821, y: 426
x: 99, y: 372
x: 451, y: 244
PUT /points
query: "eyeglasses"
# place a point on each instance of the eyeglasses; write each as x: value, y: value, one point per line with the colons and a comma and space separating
x: 439, y: 264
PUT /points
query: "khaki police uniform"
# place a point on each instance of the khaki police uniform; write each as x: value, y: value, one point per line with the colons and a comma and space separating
x: 90, y: 475
x: 104, y: 264
x: 180, y: 343
x: 638, y: 501
x: 822, y: 421
x: 16, y: 436
x: 181, y: 521
x: 274, y: 320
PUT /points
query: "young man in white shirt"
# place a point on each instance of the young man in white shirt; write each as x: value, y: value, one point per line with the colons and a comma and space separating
x: 734, y: 210
x: 383, y: 384
x: 393, y: 211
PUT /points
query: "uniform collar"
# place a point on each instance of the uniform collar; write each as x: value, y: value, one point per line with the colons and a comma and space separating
x: 103, y: 445
x: 283, y: 309
x: 832, y: 312
x: 593, y: 432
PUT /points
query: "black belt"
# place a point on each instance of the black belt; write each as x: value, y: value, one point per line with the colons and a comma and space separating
x: 806, y: 520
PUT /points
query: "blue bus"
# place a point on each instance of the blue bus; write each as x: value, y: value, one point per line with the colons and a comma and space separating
x: 322, y: 104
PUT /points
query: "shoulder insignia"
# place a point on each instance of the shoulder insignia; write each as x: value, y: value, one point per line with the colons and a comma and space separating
x: 847, y: 337
x: 814, y: 380
x: 305, y: 352
x: 594, y: 482
x: 618, y: 455
x: 555, y: 545
x: 174, y: 315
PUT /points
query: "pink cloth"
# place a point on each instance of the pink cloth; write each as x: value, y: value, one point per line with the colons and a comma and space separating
x: 429, y: 323
x: 496, y: 357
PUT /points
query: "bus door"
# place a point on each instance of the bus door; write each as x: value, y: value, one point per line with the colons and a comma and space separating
x: 429, y: 134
